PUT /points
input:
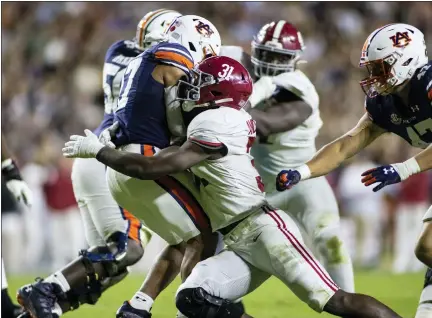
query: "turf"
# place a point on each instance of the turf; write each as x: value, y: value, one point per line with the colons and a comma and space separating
x: 273, y: 299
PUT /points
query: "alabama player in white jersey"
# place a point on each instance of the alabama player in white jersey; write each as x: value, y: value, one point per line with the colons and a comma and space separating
x: 261, y: 241
x: 285, y: 106
x: 105, y: 223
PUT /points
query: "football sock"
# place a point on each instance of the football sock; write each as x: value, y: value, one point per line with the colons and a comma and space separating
x: 141, y: 301
x: 424, y: 309
x: 59, y: 279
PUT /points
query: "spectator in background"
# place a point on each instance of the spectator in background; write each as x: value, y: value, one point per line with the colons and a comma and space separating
x: 413, y: 201
x: 67, y: 234
x: 365, y: 208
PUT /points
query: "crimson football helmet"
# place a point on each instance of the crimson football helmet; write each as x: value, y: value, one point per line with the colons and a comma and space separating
x: 276, y: 49
x: 217, y: 81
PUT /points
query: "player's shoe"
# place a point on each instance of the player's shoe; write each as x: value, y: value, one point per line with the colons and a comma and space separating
x: 127, y: 311
x: 38, y: 299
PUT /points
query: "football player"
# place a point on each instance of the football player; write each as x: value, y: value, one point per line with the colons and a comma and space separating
x: 261, y: 241
x: 168, y: 206
x: 108, y: 227
x: 285, y: 106
x: 21, y: 192
x: 399, y: 98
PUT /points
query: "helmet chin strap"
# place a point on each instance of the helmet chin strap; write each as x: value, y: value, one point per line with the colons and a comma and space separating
x: 188, y: 106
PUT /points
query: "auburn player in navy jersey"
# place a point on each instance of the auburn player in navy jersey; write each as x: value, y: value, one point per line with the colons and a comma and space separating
x: 115, y: 236
x: 399, y: 100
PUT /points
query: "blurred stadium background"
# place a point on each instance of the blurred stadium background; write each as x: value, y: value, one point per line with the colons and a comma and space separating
x: 52, y: 58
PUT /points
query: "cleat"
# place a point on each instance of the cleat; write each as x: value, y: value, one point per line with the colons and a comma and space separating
x: 127, y: 311
x: 38, y: 299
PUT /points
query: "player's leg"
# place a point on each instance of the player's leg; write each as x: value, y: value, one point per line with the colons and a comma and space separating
x: 84, y: 279
x: 215, y: 285
x: 424, y: 254
x: 271, y: 241
x: 171, y: 210
x: 8, y: 309
x: 314, y: 206
x: 424, y: 309
x: 424, y: 245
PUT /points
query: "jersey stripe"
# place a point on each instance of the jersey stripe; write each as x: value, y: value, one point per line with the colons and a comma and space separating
x: 206, y: 144
x: 174, y: 57
x: 180, y: 51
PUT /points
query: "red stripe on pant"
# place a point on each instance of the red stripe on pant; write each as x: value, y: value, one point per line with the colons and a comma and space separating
x: 301, y: 250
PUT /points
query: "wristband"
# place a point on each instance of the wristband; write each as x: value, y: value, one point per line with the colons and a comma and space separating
x: 304, y: 171
x: 10, y: 170
x: 407, y: 168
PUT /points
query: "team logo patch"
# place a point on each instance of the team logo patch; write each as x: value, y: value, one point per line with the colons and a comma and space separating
x: 395, y: 119
x: 401, y: 39
x: 204, y: 29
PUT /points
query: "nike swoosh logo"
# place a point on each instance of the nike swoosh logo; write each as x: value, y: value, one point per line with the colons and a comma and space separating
x: 142, y: 299
x: 256, y: 237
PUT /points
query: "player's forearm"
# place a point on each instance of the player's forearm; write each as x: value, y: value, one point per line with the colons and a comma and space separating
x: 424, y: 159
x: 140, y: 167
x: 327, y: 159
x: 419, y: 163
x: 280, y: 118
x: 131, y: 164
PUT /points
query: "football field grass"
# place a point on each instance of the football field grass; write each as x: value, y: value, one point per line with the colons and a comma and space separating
x: 273, y: 299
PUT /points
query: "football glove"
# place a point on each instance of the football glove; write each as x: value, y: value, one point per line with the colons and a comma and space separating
x: 383, y: 175
x: 82, y: 147
x: 286, y: 179
x: 108, y: 134
x: 14, y: 182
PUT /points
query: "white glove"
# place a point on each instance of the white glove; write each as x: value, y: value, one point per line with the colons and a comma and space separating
x: 262, y: 90
x: 20, y: 191
x: 108, y: 133
x: 82, y: 147
x: 14, y: 182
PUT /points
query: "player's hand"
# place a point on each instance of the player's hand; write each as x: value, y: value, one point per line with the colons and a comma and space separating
x: 20, y: 191
x: 14, y: 182
x: 383, y: 175
x: 108, y: 134
x: 82, y: 147
x: 286, y: 179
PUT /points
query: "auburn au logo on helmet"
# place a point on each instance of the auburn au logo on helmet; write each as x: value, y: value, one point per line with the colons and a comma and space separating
x: 204, y: 29
x: 401, y: 39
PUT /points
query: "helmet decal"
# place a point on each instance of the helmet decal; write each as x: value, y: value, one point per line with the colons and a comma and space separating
x: 401, y: 39
x: 204, y: 29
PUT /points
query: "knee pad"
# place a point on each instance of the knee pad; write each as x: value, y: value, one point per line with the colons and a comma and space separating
x: 197, y: 303
x: 126, y: 251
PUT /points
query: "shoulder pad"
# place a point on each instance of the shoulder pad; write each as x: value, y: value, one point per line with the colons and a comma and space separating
x: 122, y: 52
x: 173, y: 54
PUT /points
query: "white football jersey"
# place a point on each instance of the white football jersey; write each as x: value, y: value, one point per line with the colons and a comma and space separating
x: 230, y: 187
x: 291, y: 148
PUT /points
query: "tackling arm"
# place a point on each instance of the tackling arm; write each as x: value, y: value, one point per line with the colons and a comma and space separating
x: 424, y: 159
x: 169, y: 161
x: 333, y: 154
x: 280, y: 117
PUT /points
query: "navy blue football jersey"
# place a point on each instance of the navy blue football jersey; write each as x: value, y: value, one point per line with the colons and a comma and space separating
x: 141, y: 110
x: 117, y: 58
x: 412, y: 122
